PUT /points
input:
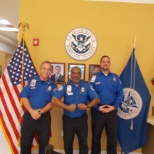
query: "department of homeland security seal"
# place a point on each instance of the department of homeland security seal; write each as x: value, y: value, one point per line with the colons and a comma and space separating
x: 80, y: 44
x: 131, y: 105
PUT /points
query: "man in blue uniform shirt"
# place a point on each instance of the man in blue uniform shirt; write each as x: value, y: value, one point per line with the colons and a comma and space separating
x: 109, y: 89
x: 36, y: 97
x: 75, y: 105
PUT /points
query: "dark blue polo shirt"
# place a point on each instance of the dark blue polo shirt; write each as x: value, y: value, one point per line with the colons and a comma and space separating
x: 108, y: 88
x: 75, y: 95
x: 38, y: 93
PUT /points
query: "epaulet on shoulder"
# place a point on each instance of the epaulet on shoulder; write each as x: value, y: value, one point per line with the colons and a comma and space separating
x: 114, y: 74
x: 66, y: 83
x: 86, y: 81
x: 32, y: 77
x: 97, y: 73
x: 52, y: 82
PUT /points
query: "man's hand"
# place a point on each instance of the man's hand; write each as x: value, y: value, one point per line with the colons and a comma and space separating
x: 71, y: 107
x: 106, y: 108
x: 35, y: 114
x: 82, y: 106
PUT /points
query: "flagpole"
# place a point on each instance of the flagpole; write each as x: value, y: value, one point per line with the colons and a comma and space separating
x: 134, y: 48
x: 135, y: 42
x: 22, y: 68
x: 24, y: 26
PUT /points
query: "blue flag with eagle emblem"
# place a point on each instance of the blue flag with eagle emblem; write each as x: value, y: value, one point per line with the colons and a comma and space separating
x: 133, y: 111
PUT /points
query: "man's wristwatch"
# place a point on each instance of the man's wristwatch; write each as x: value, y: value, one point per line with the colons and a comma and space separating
x: 40, y: 113
x: 87, y: 108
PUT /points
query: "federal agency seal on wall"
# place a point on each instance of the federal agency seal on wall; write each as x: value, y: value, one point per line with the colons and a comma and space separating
x: 80, y: 44
x: 131, y: 105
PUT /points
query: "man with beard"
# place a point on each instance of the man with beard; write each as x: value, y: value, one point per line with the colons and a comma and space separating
x: 104, y: 114
x: 75, y: 105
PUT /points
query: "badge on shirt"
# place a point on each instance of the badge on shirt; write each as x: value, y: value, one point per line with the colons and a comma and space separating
x: 93, y: 78
x: 114, y: 79
x: 82, y: 89
x: 60, y: 88
x: 69, y: 90
x: 33, y: 83
x: 49, y: 88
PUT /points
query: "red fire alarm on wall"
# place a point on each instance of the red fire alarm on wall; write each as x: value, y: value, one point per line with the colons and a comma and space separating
x: 35, y: 42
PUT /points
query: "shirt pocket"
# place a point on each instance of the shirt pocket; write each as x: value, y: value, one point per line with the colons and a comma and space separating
x: 113, y: 85
x: 83, y: 97
x: 47, y: 96
x: 98, y: 87
x: 33, y: 92
x: 69, y: 99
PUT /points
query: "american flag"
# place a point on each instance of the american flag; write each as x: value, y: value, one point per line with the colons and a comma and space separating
x: 19, y: 70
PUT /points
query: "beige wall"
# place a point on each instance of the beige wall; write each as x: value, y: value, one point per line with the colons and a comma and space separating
x: 4, y: 59
x: 115, y: 26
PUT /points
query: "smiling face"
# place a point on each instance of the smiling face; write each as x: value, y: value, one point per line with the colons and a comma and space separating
x: 76, y: 75
x: 105, y: 63
x: 45, y: 70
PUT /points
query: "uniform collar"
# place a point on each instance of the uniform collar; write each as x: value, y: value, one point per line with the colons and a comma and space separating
x: 80, y: 83
x: 100, y: 73
x: 47, y: 81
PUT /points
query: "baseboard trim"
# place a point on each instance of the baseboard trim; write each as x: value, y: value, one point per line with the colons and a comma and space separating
x: 102, y: 152
x: 77, y: 152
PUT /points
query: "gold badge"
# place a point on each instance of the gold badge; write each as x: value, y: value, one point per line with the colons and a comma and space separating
x: 49, y: 88
x: 82, y: 89
x: 114, y: 79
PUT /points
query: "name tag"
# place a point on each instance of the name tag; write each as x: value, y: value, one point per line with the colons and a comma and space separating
x: 69, y: 90
x: 93, y: 78
x: 33, y: 83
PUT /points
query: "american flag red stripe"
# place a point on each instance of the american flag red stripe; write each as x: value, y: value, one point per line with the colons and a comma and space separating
x: 12, y: 100
x: 11, y: 110
x: 9, y: 131
x: 14, y: 150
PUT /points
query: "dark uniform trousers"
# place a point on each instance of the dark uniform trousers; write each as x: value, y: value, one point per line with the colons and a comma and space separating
x: 78, y: 126
x: 110, y: 122
x: 28, y: 129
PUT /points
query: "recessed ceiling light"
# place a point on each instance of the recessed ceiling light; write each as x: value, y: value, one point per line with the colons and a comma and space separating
x: 8, y: 29
x: 4, y: 22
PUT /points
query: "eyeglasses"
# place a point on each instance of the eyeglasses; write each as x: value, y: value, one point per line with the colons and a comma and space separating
x: 105, y: 61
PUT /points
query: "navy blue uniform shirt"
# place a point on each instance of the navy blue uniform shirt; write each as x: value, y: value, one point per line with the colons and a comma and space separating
x: 108, y: 88
x: 38, y: 93
x: 75, y: 95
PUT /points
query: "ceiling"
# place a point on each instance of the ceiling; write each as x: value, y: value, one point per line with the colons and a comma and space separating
x: 9, y: 10
x: 128, y: 1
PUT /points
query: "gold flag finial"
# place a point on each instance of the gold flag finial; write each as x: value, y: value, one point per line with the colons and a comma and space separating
x: 24, y: 25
